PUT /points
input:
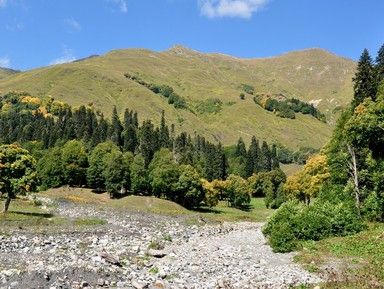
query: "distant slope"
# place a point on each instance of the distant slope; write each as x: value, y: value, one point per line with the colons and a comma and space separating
x: 4, y: 72
x: 312, y: 75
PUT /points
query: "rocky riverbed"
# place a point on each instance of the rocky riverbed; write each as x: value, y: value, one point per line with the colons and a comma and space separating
x: 136, y: 250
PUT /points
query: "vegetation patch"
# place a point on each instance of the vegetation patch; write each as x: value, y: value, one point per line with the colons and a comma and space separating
x: 208, y: 106
x: 286, y: 108
x: 165, y: 90
x: 360, y: 258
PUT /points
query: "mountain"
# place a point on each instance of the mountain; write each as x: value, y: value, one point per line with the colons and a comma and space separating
x: 211, y: 84
x: 4, y: 72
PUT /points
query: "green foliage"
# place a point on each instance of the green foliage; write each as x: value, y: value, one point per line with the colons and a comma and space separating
x: 365, y: 85
x: 288, y: 107
x: 164, y: 90
x: 17, y: 171
x: 75, y: 163
x: 50, y: 169
x: 140, y: 182
x: 117, y: 173
x: 238, y: 191
x: 248, y: 88
x: 163, y: 174
x: 188, y: 189
x: 210, y: 105
x: 295, y: 222
x: 98, y: 159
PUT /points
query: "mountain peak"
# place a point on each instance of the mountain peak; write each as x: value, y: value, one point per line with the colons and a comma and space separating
x: 181, y: 49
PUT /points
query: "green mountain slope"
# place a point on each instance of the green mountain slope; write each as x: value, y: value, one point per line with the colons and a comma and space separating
x: 210, y: 83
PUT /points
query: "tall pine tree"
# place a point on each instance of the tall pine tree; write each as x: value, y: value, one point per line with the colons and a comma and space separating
x: 116, y: 128
x: 364, y: 81
x: 380, y: 65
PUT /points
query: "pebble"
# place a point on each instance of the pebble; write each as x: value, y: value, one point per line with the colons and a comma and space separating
x: 230, y: 255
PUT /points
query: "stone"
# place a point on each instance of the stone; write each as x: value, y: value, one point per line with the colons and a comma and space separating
x: 100, y: 282
x: 138, y: 284
x: 156, y: 253
x: 159, y: 284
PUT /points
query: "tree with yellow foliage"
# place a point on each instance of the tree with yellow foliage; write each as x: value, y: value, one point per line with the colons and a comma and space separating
x: 306, y: 183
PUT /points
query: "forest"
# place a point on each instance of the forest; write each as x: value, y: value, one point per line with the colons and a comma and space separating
x: 80, y: 148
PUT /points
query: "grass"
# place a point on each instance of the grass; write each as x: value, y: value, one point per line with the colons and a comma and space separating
x: 201, y: 78
x: 257, y: 212
x: 359, y: 257
x: 24, y: 214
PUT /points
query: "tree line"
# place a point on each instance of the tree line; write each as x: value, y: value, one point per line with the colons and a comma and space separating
x: 79, y: 147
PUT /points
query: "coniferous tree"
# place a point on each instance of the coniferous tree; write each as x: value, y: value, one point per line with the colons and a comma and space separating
x: 241, y: 151
x: 275, y: 164
x: 252, y: 163
x: 364, y: 80
x: 116, y: 128
x: 148, y: 141
x: 163, y: 133
x: 380, y: 65
x: 265, y: 158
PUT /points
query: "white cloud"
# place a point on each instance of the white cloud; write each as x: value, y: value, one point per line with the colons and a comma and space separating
x: 230, y: 8
x: 19, y: 26
x: 3, y: 3
x: 73, y: 24
x: 122, y: 4
x: 5, y: 62
x: 65, y: 58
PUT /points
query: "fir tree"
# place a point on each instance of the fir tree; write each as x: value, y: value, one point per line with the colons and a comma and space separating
x: 364, y: 80
x: 275, y: 164
x: 380, y: 65
x: 265, y: 157
x: 163, y: 133
x: 240, y: 149
x: 116, y: 128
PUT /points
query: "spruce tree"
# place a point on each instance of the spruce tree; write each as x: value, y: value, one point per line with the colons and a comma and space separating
x: 265, y: 157
x: 275, y: 164
x: 380, y: 65
x: 364, y: 80
x: 163, y: 133
x: 148, y: 142
x: 116, y: 128
x: 240, y: 149
x: 252, y: 163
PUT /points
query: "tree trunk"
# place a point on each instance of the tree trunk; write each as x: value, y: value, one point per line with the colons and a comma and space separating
x: 354, y: 175
x: 6, y: 204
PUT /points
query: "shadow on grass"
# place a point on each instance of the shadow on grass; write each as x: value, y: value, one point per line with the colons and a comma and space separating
x: 247, y: 208
x: 206, y: 210
x: 32, y: 214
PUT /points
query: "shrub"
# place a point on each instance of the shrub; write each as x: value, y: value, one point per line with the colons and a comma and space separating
x: 282, y: 238
x: 371, y: 208
x: 295, y: 222
x: 242, y: 96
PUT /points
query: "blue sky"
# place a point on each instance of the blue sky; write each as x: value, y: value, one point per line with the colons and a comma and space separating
x: 40, y: 32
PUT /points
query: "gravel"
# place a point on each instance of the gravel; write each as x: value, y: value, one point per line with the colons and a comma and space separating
x: 145, y: 251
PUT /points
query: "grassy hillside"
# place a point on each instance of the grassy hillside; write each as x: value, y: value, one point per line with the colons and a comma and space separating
x: 4, y: 72
x: 312, y: 75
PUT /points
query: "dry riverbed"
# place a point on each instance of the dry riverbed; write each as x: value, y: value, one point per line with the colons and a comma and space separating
x: 142, y: 250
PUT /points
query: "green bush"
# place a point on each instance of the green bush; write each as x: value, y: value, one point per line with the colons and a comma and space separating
x: 283, y: 238
x: 372, y: 208
x: 295, y: 222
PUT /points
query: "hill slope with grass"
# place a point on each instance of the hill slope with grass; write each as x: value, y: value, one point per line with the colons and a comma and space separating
x: 211, y: 85
x: 4, y: 72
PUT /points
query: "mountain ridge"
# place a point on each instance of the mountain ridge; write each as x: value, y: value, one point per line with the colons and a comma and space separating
x: 204, y: 80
